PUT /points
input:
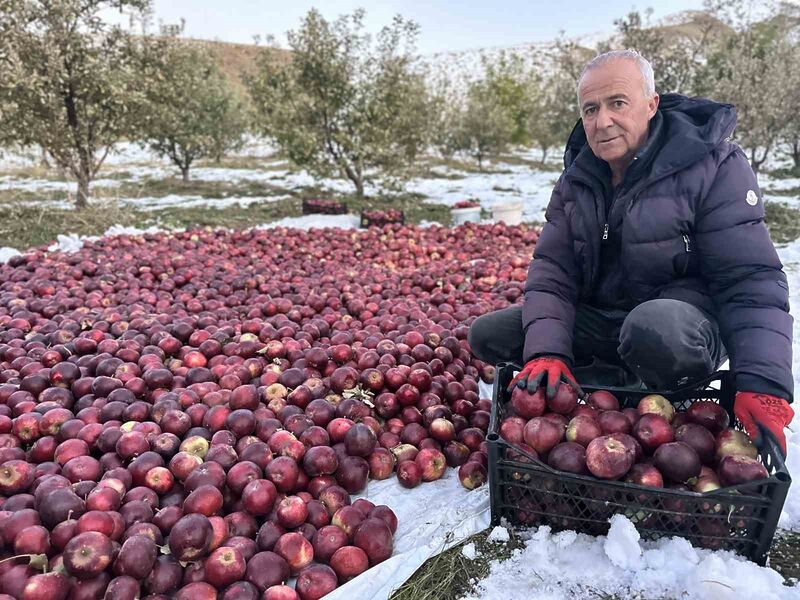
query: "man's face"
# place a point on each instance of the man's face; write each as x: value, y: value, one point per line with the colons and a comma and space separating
x: 615, y: 111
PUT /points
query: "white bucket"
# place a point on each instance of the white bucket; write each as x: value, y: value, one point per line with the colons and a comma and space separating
x: 510, y: 214
x: 459, y: 216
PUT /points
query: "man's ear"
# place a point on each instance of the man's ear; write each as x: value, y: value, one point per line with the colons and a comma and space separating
x: 652, y: 105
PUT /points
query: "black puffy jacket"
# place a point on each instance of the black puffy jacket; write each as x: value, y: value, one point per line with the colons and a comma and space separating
x: 691, y: 229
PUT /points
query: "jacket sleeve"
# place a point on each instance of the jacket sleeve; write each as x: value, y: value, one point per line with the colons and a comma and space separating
x: 551, y: 290
x: 745, y: 277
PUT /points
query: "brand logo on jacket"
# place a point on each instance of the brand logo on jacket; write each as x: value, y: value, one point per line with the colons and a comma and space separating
x: 751, y: 198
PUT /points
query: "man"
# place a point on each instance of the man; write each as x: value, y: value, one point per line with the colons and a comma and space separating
x: 655, y: 260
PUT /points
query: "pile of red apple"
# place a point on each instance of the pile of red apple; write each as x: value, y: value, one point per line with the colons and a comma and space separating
x: 651, y: 445
x: 188, y: 415
x: 379, y: 217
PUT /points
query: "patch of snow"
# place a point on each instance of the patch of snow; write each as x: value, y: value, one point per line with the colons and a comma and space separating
x: 6, y: 253
x: 69, y: 243
x: 30, y: 184
x: 469, y: 551
x: 498, y: 534
x: 123, y: 230
x: 180, y: 201
x: 790, y: 256
x: 316, y: 222
x: 622, y: 543
x: 520, y: 183
x: 567, y: 565
x: 779, y: 184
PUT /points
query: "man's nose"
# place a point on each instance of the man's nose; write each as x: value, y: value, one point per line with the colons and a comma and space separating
x: 604, y: 119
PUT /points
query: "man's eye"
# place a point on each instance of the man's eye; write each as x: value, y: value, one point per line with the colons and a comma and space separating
x: 619, y: 103
x: 589, y: 110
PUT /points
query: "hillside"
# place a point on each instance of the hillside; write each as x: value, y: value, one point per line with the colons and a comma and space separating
x: 237, y: 60
x: 465, y: 65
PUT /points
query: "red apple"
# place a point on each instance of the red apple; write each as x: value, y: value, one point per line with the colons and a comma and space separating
x: 565, y: 400
x: 568, y: 456
x: 603, y: 400
x: 224, y: 566
x: 295, y: 549
x: 528, y: 405
x: 432, y: 464
x: 653, y: 430
x: 737, y: 469
x: 374, y: 537
x: 472, y: 475
x: 582, y: 430
x: 87, y: 554
x: 608, y: 458
x: 315, y: 581
x: 349, y: 562
x: 678, y: 462
x: 709, y: 414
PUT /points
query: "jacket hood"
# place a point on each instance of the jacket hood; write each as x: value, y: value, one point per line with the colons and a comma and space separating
x: 693, y: 127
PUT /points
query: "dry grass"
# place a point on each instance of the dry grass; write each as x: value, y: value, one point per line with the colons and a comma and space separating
x: 450, y: 575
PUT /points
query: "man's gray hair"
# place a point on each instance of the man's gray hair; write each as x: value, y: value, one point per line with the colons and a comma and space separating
x: 645, y: 68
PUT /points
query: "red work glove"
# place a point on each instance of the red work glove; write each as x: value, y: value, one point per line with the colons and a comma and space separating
x: 770, y: 412
x: 550, y: 369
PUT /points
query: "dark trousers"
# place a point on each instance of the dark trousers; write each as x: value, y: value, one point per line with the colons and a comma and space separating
x: 663, y: 344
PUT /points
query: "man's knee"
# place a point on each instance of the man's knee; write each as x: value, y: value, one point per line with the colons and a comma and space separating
x: 480, y: 332
x: 497, y: 336
x: 667, y: 341
x: 663, y: 322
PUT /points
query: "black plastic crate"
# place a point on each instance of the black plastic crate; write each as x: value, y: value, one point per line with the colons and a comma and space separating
x: 527, y: 492
x: 370, y: 218
x: 324, y: 206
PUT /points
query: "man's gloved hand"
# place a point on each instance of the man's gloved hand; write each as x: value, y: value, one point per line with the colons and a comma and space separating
x: 770, y: 412
x: 550, y: 367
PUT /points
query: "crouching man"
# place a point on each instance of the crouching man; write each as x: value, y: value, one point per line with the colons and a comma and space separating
x: 654, y: 265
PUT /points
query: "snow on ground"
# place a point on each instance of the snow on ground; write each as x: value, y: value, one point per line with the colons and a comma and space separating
x: 176, y: 200
x: 569, y: 566
x: 315, y: 221
x: 517, y: 183
x: 790, y: 256
x: 6, y: 253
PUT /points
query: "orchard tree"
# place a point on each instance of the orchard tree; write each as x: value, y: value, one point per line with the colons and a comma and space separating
x: 486, y: 126
x: 556, y: 111
x: 676, y: 51
x: 70, y: 82
x: 194, y: 111
x: 747, y: 67
x: 345, y: 104
x: 516, y: 88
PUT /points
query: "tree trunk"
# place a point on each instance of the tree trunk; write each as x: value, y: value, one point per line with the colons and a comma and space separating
x: 82, y: 199
x: 480, y: 162
x: 755, y: 161
x: 544, y: 154
x: 185, y: 174
x: 359, y: 187
x: 796, y: 154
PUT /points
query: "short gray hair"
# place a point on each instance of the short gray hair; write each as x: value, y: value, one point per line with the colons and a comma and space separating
x: 645, y: 68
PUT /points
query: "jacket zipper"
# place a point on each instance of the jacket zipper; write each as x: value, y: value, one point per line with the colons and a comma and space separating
x: 605, y: 231
x: 686, y: 241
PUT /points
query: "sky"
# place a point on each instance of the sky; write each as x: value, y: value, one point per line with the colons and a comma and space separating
x: 445, y: 26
